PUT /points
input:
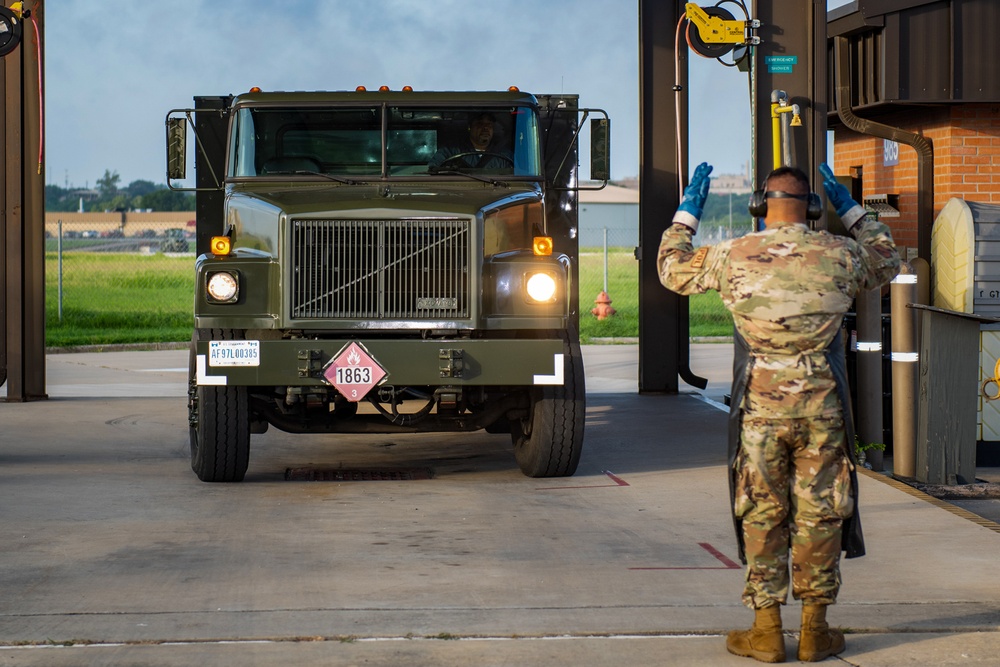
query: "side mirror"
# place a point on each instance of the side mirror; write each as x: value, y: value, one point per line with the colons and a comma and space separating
x: 600, y: 149
x: 176, y: 148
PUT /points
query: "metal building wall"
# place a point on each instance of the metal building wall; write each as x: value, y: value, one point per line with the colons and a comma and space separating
x: 621, y: 221
x: 915, y: 51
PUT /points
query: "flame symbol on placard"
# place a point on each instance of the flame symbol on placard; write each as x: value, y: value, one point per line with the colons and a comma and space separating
x: 353, y: 358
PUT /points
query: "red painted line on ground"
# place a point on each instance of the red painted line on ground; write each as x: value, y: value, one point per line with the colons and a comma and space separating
x: 730, y: 565
x: 680, y: 568
x: 727, y: 563
x: 618, y: 481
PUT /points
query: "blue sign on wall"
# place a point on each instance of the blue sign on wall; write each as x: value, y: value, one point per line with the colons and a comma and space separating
x: 890, y: 153
x: 780, y: 64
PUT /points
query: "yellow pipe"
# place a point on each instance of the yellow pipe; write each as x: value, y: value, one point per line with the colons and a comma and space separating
x: 777, y: 108
x: 775, y: 135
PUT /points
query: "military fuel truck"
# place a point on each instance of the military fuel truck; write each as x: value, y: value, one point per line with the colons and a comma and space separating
x: 367, y: 263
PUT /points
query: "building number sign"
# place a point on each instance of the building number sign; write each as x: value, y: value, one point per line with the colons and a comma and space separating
x: 890, y: 153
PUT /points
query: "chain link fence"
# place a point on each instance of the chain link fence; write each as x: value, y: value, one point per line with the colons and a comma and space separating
x: 128, y: 278
x: 608, y: 268
x: 118, y: 278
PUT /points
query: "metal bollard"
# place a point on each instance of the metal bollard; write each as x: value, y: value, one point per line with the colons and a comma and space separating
x: 905, y: 372
x: 869, y: 345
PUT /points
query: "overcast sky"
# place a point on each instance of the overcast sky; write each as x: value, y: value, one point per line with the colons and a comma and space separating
x: 113, y: 70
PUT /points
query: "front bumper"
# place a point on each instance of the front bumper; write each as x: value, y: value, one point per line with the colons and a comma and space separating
x: 405, y: 362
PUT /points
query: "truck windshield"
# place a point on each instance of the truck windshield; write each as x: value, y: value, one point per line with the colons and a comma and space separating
x: 382, y: 140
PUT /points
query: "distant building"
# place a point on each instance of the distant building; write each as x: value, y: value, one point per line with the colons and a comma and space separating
x: 616, y: 209
x: 613, y: 208
x: 86, y: 195
x: 732, y: 183
x: 120, y: 223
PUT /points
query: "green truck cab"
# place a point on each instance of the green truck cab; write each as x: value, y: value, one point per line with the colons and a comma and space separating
x: 373, y: 262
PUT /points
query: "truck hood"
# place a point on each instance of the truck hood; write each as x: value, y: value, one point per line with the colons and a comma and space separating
x: 382, y: 199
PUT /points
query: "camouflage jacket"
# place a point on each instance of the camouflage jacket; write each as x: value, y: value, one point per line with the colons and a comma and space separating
x: 787, y: 288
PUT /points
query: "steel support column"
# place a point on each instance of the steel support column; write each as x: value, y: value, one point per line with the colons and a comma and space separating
x: 22, y: 220
x: 664, y: 352
x: 792, y: 57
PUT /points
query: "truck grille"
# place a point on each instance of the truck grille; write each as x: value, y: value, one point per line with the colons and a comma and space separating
x: 380, y: 269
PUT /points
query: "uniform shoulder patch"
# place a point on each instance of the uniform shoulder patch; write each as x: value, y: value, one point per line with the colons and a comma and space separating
x: 699, y: 258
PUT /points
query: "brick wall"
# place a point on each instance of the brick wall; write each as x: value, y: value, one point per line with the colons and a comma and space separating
x: 966, y: 143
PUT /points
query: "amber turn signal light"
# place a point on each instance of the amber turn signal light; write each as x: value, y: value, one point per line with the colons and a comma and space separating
x: 542, y: 246
x: 221, y: 245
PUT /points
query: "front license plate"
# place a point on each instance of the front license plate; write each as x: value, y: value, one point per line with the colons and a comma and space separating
x: 234, y: 353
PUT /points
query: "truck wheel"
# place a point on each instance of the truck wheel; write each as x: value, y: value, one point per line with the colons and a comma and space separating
x: 549, y: 441
x: 220, y: 421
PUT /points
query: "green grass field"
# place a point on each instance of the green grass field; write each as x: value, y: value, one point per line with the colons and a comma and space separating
x: 115, y: 298
x: 708, y: 317
x: 111, y: 298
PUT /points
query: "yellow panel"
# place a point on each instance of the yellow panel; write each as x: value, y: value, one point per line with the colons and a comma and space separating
x: 953, y: 247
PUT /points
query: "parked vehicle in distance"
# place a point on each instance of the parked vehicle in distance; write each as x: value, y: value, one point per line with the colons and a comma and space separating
x: 174, y: 241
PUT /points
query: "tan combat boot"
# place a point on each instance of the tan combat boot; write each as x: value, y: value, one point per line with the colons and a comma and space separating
x: 817, y: 640
x: 764, y: 640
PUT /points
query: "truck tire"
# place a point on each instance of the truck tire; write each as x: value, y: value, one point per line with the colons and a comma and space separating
x: 549, y: 441
x: 219, y: 416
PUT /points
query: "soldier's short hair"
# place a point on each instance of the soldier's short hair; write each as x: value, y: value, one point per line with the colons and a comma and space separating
x: 788, y: 174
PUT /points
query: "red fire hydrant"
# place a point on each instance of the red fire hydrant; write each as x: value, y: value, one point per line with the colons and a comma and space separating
x: 603, y: 308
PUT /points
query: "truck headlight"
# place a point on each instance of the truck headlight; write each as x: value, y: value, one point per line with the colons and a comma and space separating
x: 518, y: 284
x: 541, y: 287
x: 223, y: 287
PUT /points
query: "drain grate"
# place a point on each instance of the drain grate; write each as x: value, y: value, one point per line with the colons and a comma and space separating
x: 346, y: 475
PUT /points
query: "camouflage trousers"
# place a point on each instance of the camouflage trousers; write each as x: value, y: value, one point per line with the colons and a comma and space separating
x: 792, y: 494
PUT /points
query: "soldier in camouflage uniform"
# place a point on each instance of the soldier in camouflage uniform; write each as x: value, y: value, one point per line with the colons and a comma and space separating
x: 792, y: 478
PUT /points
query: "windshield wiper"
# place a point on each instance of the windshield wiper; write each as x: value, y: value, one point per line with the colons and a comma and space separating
x: 345, y: 181
x: 484, y: 179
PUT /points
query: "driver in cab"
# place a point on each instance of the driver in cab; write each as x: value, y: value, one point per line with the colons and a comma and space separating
x: 477, y: 150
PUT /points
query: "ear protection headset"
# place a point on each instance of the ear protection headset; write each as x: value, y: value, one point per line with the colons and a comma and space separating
x: 758, y: 200
x: 758, y: 203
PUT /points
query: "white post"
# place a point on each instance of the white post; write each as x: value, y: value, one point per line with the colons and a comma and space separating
x: 730, y: 214
x: 59, y: 256
x: 605, y: 260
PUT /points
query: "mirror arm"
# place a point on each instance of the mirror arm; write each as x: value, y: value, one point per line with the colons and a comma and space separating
x: 201, y: 147
x: 576, y: 135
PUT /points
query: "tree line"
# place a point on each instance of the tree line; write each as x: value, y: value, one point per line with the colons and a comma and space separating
x: 143, y: 195
x: 111, y: 196
x: 723, y: 210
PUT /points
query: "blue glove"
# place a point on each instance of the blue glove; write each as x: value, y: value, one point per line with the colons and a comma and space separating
x: 850, y: 211
x: 695, y: 194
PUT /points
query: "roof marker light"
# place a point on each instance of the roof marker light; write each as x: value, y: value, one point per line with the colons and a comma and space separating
x: 407, y: 89
x: 255, y: 89
x: 383, y: 89
x: 360, y: 89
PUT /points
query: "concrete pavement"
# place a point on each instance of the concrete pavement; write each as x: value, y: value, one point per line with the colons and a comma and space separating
x: 112, y: 553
